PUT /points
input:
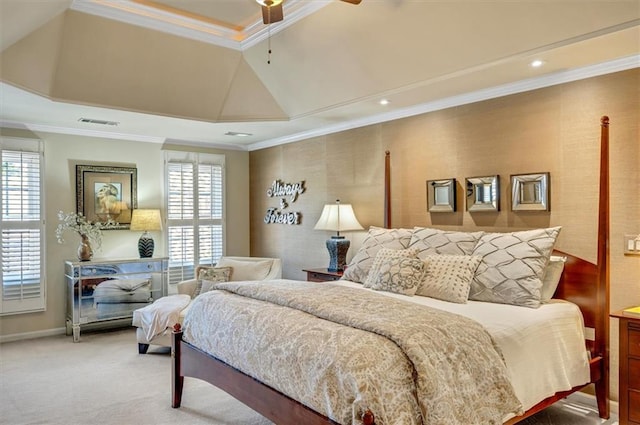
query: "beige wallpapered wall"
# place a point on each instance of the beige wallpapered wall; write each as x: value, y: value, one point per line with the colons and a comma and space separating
x: 555, y: 129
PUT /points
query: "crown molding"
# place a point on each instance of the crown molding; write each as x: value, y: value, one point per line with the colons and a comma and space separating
x: 157, y: 19
x: 609, y: 67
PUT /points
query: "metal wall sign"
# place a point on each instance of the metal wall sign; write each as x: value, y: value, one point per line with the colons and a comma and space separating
x: 285, y: 191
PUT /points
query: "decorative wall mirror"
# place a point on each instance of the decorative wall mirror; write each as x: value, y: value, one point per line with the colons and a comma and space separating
x: 483, y: 193
x: 530, y: 192
x: 441, y: 195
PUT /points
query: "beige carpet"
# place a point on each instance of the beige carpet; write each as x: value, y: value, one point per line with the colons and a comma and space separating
x: 103, y: 380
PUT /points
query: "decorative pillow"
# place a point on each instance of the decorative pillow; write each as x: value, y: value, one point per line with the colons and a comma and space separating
x: 246, y: 270
x: 512, y: 266
x: 434, y: 241
x: 398, y: 274
x: 448, y: 277
x: 551, y: 277
x: 384, y: 255
x: 377, y: 238
x: 209, y: 276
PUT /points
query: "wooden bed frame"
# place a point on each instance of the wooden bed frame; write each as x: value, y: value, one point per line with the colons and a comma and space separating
x: 582, y: 283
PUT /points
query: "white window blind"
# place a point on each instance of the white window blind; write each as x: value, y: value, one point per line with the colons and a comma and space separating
x: 195, y: 222
x: 22, y: 249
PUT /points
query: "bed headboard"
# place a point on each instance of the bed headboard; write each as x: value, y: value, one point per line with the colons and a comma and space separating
x: 583, y: 283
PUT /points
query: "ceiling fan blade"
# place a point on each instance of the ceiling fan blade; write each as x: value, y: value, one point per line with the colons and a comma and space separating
x: 272, y: 14
x: 352, y: 1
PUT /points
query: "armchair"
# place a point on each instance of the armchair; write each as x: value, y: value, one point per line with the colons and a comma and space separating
x: 243, y: 268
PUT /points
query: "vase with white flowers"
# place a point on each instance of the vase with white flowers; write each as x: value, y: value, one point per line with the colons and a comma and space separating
x: 90, y: 233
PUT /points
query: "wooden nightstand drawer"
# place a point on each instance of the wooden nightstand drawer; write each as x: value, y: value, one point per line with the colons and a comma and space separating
x: 634, y: 374
x: 634, y: 407
x: 322, y: 275
x: 634, y: 340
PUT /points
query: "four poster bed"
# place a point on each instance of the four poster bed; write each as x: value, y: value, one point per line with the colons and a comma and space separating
x: 214, y: 346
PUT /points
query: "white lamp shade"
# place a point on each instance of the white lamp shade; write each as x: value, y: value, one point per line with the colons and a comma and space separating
x: 145, y: 220
x: 338, y: 217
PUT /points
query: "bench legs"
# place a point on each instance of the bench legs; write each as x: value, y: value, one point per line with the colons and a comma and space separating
x: 142, y: 348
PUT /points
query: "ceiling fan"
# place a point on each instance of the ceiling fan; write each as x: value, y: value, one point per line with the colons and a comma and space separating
x: 272, y: 10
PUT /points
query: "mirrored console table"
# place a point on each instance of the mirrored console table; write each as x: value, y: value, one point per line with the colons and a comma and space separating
x: 104, y: 293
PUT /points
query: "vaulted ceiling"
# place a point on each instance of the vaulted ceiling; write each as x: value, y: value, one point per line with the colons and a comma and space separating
x: 191, y: 71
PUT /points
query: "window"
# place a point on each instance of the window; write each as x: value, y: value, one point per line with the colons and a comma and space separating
x: 195, y: 222
x: 22, y: 249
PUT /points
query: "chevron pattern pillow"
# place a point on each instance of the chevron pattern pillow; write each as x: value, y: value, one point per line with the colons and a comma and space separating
x: 376, y: 239
x: 434, y: 241
x: 512, y: 266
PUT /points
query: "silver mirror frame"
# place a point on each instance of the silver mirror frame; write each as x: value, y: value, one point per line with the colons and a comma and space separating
x: 441, y: 195
x: 483, y: 193
x: 530, y: 192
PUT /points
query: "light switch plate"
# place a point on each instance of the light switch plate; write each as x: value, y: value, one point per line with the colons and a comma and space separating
x: 631, y: 244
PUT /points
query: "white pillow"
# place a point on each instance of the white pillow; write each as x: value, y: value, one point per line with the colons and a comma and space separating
x: 246, y: 270
x: 551, y: 277
x: 377, y: 238
x: 512, y: 266
x: 384, y: 255
x: 448, y: 277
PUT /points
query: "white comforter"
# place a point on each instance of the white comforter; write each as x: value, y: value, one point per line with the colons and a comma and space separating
x: 544, y: 348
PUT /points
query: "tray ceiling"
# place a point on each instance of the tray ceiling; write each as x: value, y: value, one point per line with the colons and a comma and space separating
x: 191, y: 71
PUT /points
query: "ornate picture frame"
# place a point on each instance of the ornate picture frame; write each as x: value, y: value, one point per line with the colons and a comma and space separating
x: 483, y: 193
x: 530, y: 192
x: 104, y: 192
x: 441, y: 195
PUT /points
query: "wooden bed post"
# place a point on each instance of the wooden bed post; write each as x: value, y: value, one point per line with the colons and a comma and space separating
x: 602, y: 337
x: 387, y: 190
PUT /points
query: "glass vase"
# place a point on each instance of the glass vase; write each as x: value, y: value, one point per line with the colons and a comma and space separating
x: 85, y: 253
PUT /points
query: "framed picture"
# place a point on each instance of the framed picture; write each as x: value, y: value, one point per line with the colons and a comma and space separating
x: 441, y: 195
x: 106, y: 192
x: 483, y: 193
x: 530, y: 192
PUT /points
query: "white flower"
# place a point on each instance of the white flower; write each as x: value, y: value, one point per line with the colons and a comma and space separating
x: 83, y: 227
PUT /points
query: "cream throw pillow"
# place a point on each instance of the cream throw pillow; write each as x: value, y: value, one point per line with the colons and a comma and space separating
x: 448, y: 277
x: 209, y: 276
x: 400, y: 275
x: 383, y: 256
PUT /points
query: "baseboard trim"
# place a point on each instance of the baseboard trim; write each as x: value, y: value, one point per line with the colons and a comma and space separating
x: 31, y: 335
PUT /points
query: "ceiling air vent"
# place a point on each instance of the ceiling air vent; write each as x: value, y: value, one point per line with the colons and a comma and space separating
x: 101, y: 122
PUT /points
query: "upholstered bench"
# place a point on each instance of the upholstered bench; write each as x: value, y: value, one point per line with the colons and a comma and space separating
x: 155, y: 322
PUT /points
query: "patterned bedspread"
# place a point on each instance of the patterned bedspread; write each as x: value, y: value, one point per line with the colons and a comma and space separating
x: 341, y: 350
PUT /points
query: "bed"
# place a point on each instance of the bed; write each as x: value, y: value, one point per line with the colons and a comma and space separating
x: 583, y: 284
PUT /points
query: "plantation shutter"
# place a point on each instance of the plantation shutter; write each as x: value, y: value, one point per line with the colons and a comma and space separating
x: 22, y: 249
x: 194, y: 212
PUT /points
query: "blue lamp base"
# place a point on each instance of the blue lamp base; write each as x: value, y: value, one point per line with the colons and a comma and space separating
x: 145, y: 246
x: 338, y: 247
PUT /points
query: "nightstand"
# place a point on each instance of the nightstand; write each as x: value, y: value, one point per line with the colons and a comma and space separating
x: 629, y: 394
x: 322, y: 275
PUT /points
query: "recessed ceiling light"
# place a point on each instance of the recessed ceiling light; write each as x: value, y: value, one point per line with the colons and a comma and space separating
x: 536, y: 63
x: 384, y: 102
x: 237, y: 134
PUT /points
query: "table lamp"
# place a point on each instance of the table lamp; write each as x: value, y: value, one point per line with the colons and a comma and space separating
x: 145, y: 220
x: 338, y: 217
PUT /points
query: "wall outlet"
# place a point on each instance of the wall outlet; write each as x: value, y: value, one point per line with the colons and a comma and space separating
x: 631, y: 244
